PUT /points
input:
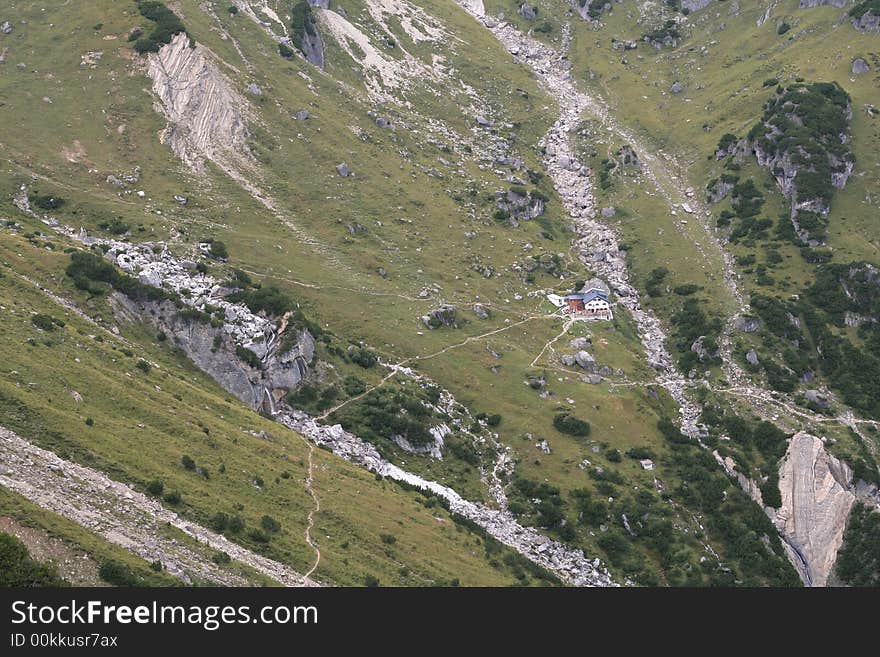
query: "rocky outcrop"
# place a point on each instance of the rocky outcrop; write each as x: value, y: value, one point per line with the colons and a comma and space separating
x: 695, y: 5
x: 209, y: 329
x: 214, y: 351
x: 444, y: 316
x: 867, y: 22
x: 206, y: 116
x: 817, y: 497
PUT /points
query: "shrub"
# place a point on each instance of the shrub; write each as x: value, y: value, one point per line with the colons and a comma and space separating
x: 172, y: 497
x: 236, y: 524
x: 270, y: 524
x: 371, y: 581
x: 46, y: 201
x: 167, y: 25
x: 155, y: 487
x: 219, y: 522
x: 187, y: 462
x: 366, y: 358
x: 493, y: 420
x: 43, y: 322
x: 353, y: 386
x: 285, y: 51
x: 388, y: 539
x: 258, y: 535
x: 143, y: 365
x: 221, y: 558
x: 219, y: 250
x: 566, y: 423
x: 18, y: 569
x: 119, y: 574
x: 248, y: 357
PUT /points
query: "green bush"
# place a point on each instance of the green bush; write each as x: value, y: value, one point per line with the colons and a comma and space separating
x: 172, y: 497
x: 119, y: 574
x: 566, y: 423
x: 167, y: 25
x: 246, y: 355
x: 187, y: 462
x: 44, y: 322
x: 219, y: 522
x: 143, y: 365
x: 269, y: 524
x: 155, y: 487
x: 18, y: 569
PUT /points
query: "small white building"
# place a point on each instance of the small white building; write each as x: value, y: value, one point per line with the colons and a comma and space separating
x: 647, y: 464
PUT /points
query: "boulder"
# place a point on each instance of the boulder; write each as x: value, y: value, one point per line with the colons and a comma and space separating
x: 752, y: 357
x: 567, y: 360
x: 860, y: 66
x: 608, y: 212
x: 303, y: 115
x: 481, y: 311
x: 585, y: 359
x: 747, y: 324
x: 676, y: 87
x: 254, y: 90
x: 442, y: 316
x: 816, y: 398
x: 528, y: 12
x: 581, y: 343
x: 6, y: 28
x: 342, y: 170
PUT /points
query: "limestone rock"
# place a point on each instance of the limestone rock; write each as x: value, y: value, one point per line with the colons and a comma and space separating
x: 816, y: 501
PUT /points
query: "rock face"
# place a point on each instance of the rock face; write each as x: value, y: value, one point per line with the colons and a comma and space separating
x: 816, y: 500
x: 212, y: 350
x: 809, y: 4
x: 867, y: 22
x: 206, y: 117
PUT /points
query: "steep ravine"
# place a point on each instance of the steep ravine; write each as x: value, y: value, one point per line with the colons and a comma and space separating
x: 813, y: 533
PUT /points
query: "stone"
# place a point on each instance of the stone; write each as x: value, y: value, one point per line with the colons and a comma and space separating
x: 183, y: 200
x: 752, y: 357
x: 528, y: 12
x: 860, y: 66
x: 816, y: 398
x: 747, y: 324
x: 444, y: 316
x: 6, y: 28
x: 581, y: 343
x: 254, y: 90
x: 676, y: 87
x: 608, y: 212
x: 303, y: 115
x: 480, y: 311
x: 483, y: 121
x: 585, y: 359
x: 342, y: 170
x: 567, y: 360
